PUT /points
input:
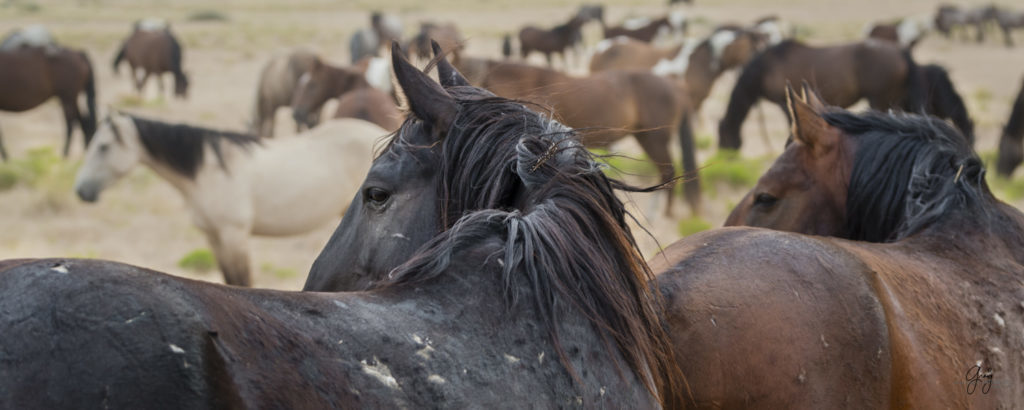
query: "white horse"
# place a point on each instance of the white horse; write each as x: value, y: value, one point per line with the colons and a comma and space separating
x: 237, y: 185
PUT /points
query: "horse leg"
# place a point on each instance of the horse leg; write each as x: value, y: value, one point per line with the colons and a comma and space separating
x: 231, y: 248
x: 141, y: 82
x: 71, y: 115
x: 655, y: 145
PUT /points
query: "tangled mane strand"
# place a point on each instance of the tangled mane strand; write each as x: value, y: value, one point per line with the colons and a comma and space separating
x: 182, y: 147
x: 570, y: 244
x: 909, y: 172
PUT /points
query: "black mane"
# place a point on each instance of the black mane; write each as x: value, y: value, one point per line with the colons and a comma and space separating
x: 909, y: 172
x: 182, y: 147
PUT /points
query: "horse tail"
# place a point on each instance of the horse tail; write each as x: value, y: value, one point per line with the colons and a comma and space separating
x: 175, y: 55
x: 749, y: 88
x: 88, y: 120
x: 506, y: 46
x: 943, y: 100
x: 119, y: 56
x: 691, y: 184
x: 917, y: 94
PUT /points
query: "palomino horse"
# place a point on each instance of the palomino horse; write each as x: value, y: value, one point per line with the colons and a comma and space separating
x: 153, y: 49
x: 235, y: 185
x: 31, y: 75
x: 1011, y: 147
x: 278, y: 81
x: 370, y: 104
x: 549, y: 302
x: 550, y: 41
x: 918, y: 305
x: 879, y: 71
x: 645, y: 29
x: 609, y: 105
x: 323, y: 82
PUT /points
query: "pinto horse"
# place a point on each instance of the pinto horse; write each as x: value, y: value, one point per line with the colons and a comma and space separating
x: 1011, y: 147
x: 875, y: 70
x: 574, y: 323
x: 153, y: 50
x: 29, y: 76
x: 914, y: 304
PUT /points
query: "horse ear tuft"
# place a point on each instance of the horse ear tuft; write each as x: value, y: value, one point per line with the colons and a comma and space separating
x: 807, y: 125
x: 427, y: 100
x: 446, y: 73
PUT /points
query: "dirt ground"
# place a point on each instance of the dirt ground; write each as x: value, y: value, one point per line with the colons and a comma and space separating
x: 143, y: 221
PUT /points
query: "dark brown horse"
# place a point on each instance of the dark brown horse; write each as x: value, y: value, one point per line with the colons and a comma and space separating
x: 31, y: 75
x: 370, y: 104
x: 547, y: 301
x: 609, y: 105
x: 878, y: 71
x: 1011, y: 147
x: 153, y: 51
x: 550, y: 41
x: 918, y: 305
x: 320, y: 84
x: 645, y: 30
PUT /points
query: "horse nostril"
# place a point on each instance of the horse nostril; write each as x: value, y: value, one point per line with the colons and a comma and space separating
x: 86, y: 194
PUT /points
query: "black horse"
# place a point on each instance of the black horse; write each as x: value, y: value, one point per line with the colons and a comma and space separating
x: 1011, y: 149
x: 575, y: 323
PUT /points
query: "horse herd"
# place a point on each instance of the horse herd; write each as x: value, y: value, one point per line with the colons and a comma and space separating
x: 486, y: 259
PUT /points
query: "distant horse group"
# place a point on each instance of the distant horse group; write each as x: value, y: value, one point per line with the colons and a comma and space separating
x: 949, y: 18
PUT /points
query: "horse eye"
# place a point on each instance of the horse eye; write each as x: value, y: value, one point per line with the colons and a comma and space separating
x: 104, y: 148
x: 377, y: 195
x: 765, y: 199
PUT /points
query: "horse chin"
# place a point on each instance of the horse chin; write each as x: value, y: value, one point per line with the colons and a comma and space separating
x: 89, y: 193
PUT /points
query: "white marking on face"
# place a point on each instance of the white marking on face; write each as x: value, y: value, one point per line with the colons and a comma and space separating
x: 175, y: 349
x: 379, y: 371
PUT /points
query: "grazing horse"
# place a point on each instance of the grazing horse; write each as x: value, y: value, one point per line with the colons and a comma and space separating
x: 1011, y: 147
x: 550, y: 41
x: 278, y: 81
x: 645, y: 29
x: 876, y: 70
x: 31, y: 75
x: 544, y: 306
x: 1008, y: 21
x: 236, y: 186
x: 446, y: 34
x: 917, y: 305
x: 323, y: 82
x: 609, y: 105
x: 153, y: 50
x: 948, y: 17
x: 370, y: 104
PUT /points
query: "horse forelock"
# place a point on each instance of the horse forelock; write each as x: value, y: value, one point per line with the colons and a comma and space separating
x: 567, y: 246
x: 908, y: 173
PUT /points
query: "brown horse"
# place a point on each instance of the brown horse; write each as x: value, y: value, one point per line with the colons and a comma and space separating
x: 320, y: 84
x: 919, y: 305
x: 447, y: 35
x: 608, y: 105
x: 278, y: 81
x: 550, y: 41
x: 624, y: 53
x: 1011, y: 147
x: 154, y: 50
x: 370, y: 104
x: 31, y: 75
x: 644, y: 29
x: 878, y: 71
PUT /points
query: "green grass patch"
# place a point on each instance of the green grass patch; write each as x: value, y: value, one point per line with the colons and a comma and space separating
x: 704, y: 142
x: 136, y: 101
x: 200, y: 260
x: 277, y: 271
x: 693, y: 225
x: 40, y: 168
x: 982, y: 98
x: 727, y: 168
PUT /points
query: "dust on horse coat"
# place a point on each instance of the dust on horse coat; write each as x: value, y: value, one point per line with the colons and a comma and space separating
x: 153, y: 51
x: 489, y: 303
x: 278, y: 81
x: 29, y: 76
x: 1011, y: 144
x: 911, y: 309
x: 610, y: 105
x: 235, y: 185
x: 370, y: 104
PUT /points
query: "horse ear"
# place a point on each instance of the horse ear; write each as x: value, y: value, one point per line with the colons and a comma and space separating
x: 427, y: 100
x: 811, y: 97
x: 446, y: 73
x: 806, y: 124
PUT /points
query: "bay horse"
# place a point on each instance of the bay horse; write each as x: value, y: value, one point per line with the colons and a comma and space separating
x: 370, y: 104
x: 645, y: 29
x: 153, y: 49
x: 548, y: 301
x: 278, y: 81
x: 1011, y: 147
x: 29, y: 76
x: 234, y: 184
x: 550, y: 41
x: 324, y: 82
x: 609, y: 105
x: 878, y: 71
x: 914, y: 301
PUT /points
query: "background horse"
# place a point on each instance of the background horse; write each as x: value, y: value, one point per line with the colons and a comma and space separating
x: 878, y: 71
x: 154, y: 50
x: 645, y: 29
x: 577, y: 326
x: 278, y: 81
x: 236, y: 186
x: 922, y: 317
x: 906, y: 32
x: 366, y: 42
x: 370, y: 104
x: 948, y: 18
x: 1009, y: 20
x: 30, y: 75
x: 323, y: 82
x: 550, y: 41
x: 1011, y: 147
x: 610, y: 105
x: 448, y: 35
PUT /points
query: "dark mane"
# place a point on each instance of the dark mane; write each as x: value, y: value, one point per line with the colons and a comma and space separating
x: 909, y: 171
x: 943, y: 100
x: 181, y: 146
x: 497, y: 150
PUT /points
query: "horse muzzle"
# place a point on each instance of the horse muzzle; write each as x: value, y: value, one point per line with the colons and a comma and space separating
x: 88, y: 192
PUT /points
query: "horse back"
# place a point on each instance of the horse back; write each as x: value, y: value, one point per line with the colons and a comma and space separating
x: 27, y: 79
x: 150, y: 49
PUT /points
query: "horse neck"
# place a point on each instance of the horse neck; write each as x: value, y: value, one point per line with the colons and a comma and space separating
x: 343, y: 80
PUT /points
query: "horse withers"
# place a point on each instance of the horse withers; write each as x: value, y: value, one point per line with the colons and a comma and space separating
x: 236, y: 185
x: 151, y: 49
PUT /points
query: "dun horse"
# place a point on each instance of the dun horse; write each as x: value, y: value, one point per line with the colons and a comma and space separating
x: 1011, y: 147
x: 153, y: 49
x: 370, y: 104
x: 877, y: 71
x: 278, y: 81
x: 29, y: 76
x: 236, y: 186
x: 575, y: 325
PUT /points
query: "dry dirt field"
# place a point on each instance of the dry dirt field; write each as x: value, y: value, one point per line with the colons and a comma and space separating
x: 143, y: 221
